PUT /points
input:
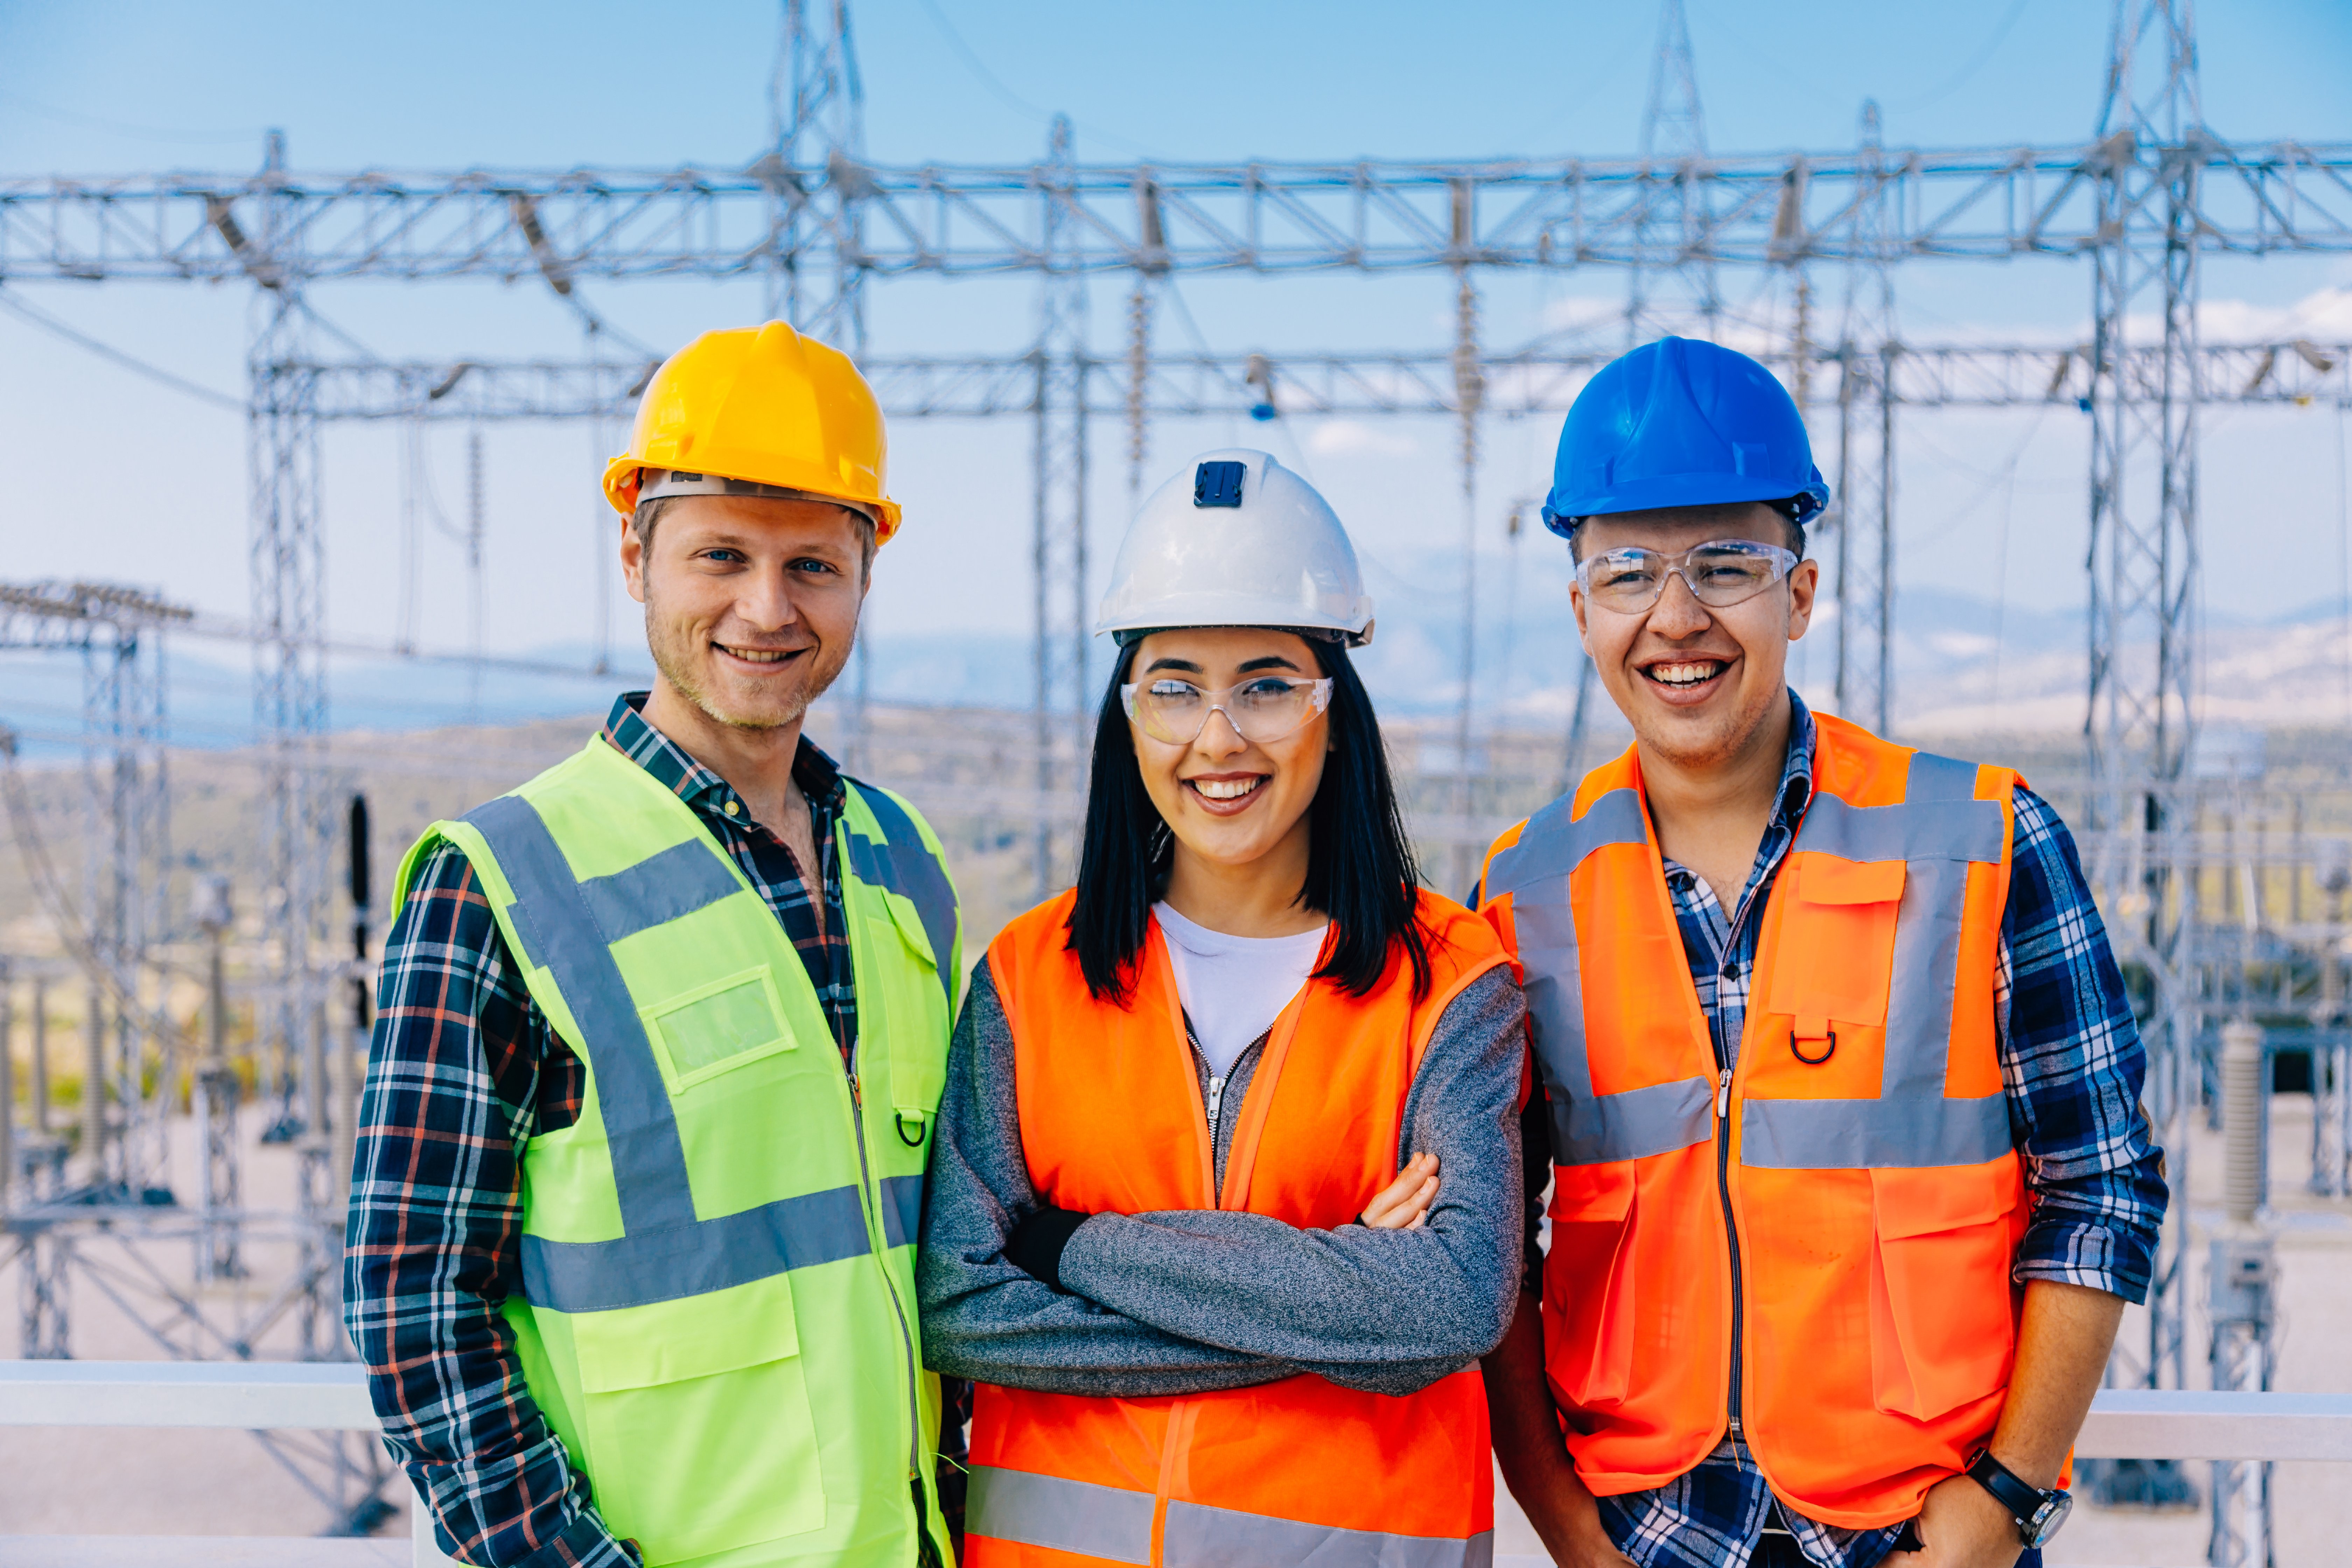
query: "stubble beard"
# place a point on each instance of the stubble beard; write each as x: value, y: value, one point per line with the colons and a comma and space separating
x: 676, y: 667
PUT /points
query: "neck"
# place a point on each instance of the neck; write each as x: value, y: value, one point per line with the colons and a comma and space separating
x: 1259, y: 898
x: 1737, y: 787
x: 756, y: 764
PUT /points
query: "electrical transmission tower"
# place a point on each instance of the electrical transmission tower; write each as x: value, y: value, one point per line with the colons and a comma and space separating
x: 1674, y: 132
x: 1863, y: 515
x: 1059, y: 494
x: 2146, y: 172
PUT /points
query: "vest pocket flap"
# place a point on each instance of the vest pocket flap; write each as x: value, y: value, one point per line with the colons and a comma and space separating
x: 1827, y: 879
x: 1930, y: 1200
x: 698, y: 1336
x: 717, y: 1027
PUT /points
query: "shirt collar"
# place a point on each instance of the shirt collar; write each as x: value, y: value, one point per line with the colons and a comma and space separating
x: 634, y: 735
x: 1797, y: 770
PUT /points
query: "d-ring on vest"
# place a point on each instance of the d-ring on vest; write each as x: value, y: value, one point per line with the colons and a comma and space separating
x: 1872, y: 1185
x: 724, y: 1204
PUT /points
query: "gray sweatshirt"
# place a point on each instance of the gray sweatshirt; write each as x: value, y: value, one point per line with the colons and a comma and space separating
x: 1189, y: 1301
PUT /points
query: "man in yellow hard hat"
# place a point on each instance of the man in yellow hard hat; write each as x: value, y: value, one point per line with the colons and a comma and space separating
x: 661, y: 1037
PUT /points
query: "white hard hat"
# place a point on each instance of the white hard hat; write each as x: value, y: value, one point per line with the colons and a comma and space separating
x: 1236, y: 540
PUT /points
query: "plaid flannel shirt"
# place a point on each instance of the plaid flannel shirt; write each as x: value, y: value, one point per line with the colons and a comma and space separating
x: 465, y: 1070
x: 2071, y: 1064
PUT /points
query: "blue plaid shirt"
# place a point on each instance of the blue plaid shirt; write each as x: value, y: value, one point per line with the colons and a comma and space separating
x: 2071, y: 1063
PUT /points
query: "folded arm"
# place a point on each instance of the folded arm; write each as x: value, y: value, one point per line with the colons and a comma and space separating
x: 1390, y: 1311
x: 987, y: 1319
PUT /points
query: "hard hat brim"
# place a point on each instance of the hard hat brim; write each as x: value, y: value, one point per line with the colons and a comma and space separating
x: 1562, y: 513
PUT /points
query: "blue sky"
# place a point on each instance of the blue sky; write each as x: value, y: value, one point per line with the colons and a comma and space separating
x: 151, y: 482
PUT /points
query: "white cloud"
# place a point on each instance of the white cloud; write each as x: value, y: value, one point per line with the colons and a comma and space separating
x: 1351, y: 438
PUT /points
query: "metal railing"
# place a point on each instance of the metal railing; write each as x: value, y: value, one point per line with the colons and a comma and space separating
x: 2139, y: 1423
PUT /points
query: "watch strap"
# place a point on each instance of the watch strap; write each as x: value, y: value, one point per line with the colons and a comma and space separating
x: 2012, y: 1492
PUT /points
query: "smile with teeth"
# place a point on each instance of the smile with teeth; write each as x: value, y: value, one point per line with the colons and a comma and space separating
x: 759, y: 655
x: 1227, y: 789
x: 1688, y: 673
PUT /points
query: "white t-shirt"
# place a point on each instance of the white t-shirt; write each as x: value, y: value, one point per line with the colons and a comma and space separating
x: 1233, y: 987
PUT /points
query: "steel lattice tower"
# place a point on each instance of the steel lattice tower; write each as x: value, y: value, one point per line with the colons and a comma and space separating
x: 2143, y: 566
x: 1863, y: 518
x: 1674, y: 132
x: 1058, y: 478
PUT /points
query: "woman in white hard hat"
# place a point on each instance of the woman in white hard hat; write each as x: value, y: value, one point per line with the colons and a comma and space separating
x: 1225, y: 1204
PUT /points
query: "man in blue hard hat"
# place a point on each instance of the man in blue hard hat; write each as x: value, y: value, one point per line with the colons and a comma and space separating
x: 1840, y: 1083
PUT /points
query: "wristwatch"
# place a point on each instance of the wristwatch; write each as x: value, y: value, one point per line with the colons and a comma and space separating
x: 2039, y: 1513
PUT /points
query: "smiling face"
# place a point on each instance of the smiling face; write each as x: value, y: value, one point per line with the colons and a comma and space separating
x: 1229, y: 801
x: 1696, y: 683
x: 751, y: 603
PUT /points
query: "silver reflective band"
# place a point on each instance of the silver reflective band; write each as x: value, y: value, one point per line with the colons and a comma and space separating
x: 1031, y: 1510
x: 904, y: 865
x: 1587, y: 1129
x: 1198, y: 1536
x: 569, y: 926
x: 694, y: 1259
x: 1553, y: 843
x: 1872, y: 1134
x: 640, y: 1126
x: 1931, y: 830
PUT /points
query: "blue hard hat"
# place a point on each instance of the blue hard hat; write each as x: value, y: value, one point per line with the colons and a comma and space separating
x: 1681, y: 423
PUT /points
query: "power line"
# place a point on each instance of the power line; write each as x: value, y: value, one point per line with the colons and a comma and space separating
x: 13, y: 303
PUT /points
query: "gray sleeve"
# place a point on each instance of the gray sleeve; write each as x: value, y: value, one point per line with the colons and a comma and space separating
x: 985, y: 1319
x: 1388, y: 1311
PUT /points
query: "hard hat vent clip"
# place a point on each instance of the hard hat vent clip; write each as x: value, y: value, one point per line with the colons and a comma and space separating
x: 1218, y: 484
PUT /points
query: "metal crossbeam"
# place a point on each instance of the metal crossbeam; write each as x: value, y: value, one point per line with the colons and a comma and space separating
x: 1182, y: 385
x: 1759, y: 210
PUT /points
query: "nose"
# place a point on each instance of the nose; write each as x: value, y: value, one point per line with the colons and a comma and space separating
x: 1678, y: 613
x: 1220, y: 737
x: 765, y: 601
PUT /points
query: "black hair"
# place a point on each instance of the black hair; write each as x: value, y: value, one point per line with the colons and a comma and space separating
x: 1360, y: 871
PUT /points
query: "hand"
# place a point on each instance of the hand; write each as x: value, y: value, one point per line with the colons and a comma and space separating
x: 1403, y: 1204
x: 1567, y: 1522
x: 1962, y: 1526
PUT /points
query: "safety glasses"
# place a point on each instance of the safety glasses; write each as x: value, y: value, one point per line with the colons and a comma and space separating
x: 1262, y: 708
x: 1719, y: 573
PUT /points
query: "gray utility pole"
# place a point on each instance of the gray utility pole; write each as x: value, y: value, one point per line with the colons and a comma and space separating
x: 2241, y: 1286
x: 216, y: 1094
x: 1863, y: 514
x: 815, y: 264
x: 1678, y: 217
x: 1469, y: 398
x: 2145, y: 170
x: 1061, y: 615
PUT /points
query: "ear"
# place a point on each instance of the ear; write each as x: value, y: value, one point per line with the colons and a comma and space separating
x: 1804, y: 583
x: 633, y: 561
x: 1576, y: 607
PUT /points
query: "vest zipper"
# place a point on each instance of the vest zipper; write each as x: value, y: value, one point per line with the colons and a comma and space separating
x: 1730, y: 1232
x: 872, y: 1199
x: 1217, y: 1100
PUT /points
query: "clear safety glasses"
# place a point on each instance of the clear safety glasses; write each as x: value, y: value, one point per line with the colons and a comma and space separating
x: 1719, y: 573
x: 1262, y: 708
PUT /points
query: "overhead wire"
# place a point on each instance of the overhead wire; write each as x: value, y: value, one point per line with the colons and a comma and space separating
x: 11, y: 301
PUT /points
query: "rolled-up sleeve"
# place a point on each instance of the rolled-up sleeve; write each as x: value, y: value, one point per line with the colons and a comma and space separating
x: 2074, y: 1068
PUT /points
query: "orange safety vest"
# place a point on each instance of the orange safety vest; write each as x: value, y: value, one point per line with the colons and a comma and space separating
x: 1861, y: 1153
x: 1111, y: 1121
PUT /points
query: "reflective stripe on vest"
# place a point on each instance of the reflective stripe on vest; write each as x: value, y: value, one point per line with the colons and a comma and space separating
x: 568, y: 925
x: 1938, y: 830
x: 1586, y: 1128
x: 1114, y: 1524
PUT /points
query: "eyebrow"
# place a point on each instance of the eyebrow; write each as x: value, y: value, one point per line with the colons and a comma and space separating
x: 1271, y: 662
x: 1183, y: 664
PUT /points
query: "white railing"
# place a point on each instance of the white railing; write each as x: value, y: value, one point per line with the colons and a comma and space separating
x: 277, y: 1396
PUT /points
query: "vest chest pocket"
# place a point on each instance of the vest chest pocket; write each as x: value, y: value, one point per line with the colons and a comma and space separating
x: 1835, y: 957
x: 696, y: 1420
x: 1943, y: 1315
x: 718, y: 1028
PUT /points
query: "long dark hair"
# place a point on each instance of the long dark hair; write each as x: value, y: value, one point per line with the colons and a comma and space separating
x: 1359, y: 864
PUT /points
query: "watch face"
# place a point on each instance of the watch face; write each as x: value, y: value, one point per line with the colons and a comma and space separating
x: 2048, y: 1518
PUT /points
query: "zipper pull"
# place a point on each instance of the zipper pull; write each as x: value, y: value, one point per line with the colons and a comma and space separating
x: 1723, y: 1097
x: 857, y: 1091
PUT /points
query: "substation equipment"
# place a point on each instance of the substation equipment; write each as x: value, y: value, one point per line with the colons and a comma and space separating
x: 820, y: 225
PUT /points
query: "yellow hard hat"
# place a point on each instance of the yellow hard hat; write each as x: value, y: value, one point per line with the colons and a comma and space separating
x: 766, y: 406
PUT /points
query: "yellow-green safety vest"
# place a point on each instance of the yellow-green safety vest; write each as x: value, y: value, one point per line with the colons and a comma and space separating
x: 717, y: 1309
